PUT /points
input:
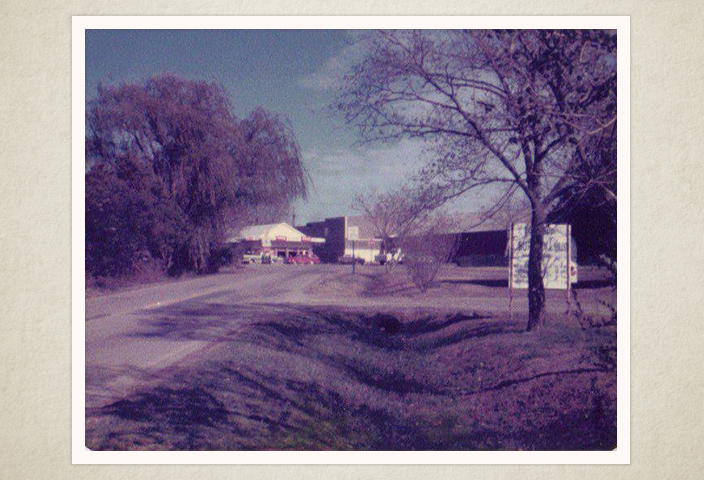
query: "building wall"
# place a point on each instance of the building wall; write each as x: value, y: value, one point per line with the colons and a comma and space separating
x: 333, y: 230
x: 487, y: 248
x: 482, y: 243
x: 476, y: 248
x: 364, y: 249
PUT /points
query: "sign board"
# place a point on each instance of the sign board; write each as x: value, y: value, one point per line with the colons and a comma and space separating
x: 556, y: 249
x: 281, y: 238
x: 352, y: 233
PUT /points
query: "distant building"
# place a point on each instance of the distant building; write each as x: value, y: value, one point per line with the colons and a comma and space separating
x: 478, y: 240
x: 276, y: 240
x: 344, y: 237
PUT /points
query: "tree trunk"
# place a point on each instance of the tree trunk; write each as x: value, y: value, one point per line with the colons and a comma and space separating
x: 536, y: 289
x: 200, y: 251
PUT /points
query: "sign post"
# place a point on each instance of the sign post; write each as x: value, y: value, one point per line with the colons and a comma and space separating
x: 510, y: 276
x: 353, y: 234
x: 354, y: 260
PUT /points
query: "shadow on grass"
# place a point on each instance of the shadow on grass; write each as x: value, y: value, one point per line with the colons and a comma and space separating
x: 181, y: 409
x: 503, y: 283
x: 293, y: 325
x: 304, y: 378
x: 483, y: 283
x: 306, y: 416
x: 428, y: 325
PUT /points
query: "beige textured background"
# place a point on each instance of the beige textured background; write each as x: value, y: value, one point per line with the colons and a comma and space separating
x: 667, y: 73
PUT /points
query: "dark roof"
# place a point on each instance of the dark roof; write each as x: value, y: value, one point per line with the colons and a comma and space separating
x: 474, y: 222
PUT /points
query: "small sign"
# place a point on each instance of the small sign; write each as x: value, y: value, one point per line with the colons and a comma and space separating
x: 281, y: 237
x: 352, y: 233
x: 306, y: 239
x: 556, y: 241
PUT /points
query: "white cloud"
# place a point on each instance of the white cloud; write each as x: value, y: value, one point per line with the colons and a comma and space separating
x: 340, y: 174
x: 330, y: 75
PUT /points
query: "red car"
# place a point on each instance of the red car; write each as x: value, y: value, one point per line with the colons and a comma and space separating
x: 310, y: 259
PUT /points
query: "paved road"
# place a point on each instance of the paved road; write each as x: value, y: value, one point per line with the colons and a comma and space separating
x: 124, y: 347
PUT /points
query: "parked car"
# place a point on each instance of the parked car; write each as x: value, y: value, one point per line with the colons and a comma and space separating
x: 347, y: 259
x: 248, y: 258
x: 395, y: 255
x: 309, y: 259
x: 269, y: 259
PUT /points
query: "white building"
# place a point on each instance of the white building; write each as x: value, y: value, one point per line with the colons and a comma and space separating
x: 275, y: 239
x: 360, y: 241
x: 345, y: 236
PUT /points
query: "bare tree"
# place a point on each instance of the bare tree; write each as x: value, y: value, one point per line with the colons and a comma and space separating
x: 508, y: 108
x: 393, y: 214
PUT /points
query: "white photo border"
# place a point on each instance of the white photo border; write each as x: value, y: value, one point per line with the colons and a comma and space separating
x: 80, y: 455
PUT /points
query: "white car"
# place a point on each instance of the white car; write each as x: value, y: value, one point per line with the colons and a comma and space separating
x: 396, y: 257
x: 248, y: 258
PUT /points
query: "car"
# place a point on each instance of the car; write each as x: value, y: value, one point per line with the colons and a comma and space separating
x: 304, y: 259
x: 347, y: 259
x: 272, y: 259
x: 395, y: 255
x: 248, y: 258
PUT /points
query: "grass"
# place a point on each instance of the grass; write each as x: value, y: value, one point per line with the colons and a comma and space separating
x: 303, y: 378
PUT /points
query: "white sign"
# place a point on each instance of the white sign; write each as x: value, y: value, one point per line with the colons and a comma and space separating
x: 556, y: 243
x: 352, y: 233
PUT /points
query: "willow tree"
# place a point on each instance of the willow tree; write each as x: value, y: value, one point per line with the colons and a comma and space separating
x: 208, y: 162
x: 509, y: 108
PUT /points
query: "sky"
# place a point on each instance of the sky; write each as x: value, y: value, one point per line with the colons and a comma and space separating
x: 293, y: 73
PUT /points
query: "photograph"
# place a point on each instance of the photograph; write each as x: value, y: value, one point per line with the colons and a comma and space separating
x: 350, y: 239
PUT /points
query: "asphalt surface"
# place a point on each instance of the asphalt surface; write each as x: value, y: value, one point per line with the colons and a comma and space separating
x: 123, y: 351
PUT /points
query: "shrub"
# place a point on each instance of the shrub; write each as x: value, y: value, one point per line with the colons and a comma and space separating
x: 481, y: 261
x: 426, y: 250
